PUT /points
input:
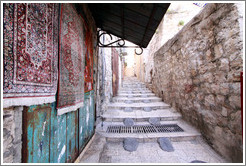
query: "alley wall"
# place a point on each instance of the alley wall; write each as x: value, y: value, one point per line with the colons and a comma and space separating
x: 106, y: 76
x: 198, y: 71
x: 176, y: 17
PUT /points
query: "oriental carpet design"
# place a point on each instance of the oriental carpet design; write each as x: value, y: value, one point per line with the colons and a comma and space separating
x: 30, y: 53
x: 71, y: 60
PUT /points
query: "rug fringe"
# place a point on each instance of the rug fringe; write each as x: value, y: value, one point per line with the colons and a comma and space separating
x: 27, y: 101
x: 61, y: 111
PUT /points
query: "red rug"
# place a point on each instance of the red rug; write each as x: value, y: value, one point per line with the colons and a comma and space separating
x: 71, y: 60
x: 88, y: 62
x: 30, y: 53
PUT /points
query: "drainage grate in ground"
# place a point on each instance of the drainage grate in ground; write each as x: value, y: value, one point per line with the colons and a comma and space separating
x: 145, y: 129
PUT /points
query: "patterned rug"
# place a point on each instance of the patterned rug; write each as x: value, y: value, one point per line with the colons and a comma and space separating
x: 71, y: 60
x: 30, y: 53
x: 88, y: 61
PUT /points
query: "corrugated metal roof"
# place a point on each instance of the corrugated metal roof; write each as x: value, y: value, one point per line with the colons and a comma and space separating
x: 135, y: 22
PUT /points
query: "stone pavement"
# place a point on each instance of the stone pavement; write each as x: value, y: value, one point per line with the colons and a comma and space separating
x: 101, y: 151
x: 135, y: 101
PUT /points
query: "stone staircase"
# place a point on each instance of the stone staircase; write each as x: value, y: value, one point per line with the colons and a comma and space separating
x: 137, y: 102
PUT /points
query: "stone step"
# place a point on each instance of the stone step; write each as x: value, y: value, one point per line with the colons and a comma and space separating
x: 136, y: 99
x: 189, y: 133
x: 133, y: 83
x: 136, y: 95
x: 140, y: 115
x: 133, y: 88
x: 141, y: 106
x: 134, y: 91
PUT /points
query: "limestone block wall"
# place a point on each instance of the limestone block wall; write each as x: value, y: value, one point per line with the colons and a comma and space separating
x: 168, y: 27
x: 12, y: 131
x: 105, y: 78
x: 198, y: 73
x: 105, y: 91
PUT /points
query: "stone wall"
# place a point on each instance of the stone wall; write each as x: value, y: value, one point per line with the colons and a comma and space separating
x: 105, y: 77
x: 197, y: 72
x: 12, y: 132
x: 139, y: 67
x: 105, y: 91
x: 168, y: 27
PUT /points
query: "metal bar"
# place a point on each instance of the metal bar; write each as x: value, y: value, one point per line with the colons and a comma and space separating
x: 145, y: 129
x: 119, y: 45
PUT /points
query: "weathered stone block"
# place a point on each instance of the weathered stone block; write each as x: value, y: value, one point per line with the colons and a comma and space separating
x: 235, y: 101
x: 220, y: 77
x: 224, y: 88
x: 218, y: 51
x: 209, y: 56
x: 215, y: 88
x: 222, y: 121
x: 220, y: 99
x: 224, y: 65
x: 8, y: 159
x: 218, y: 130
x: 232, y: 45
x: 211, y: 67
x: 236, y: 63
x: 209, y: 100
x: 224, y: 112
x: 207, y: 77
x: 235, y: 88
x: 234, y: 77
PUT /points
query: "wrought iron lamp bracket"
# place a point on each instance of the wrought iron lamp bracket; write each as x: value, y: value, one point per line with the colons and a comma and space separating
x: 119, y: 43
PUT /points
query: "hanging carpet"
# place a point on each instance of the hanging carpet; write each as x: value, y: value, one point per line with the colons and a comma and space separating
x: 30, y: 53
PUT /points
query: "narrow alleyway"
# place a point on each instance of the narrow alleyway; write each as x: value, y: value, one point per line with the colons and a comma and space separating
x: 123, y: 82
x: 137, y: 113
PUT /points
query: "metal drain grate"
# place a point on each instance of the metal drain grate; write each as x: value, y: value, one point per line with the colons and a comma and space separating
x: 145, y: 129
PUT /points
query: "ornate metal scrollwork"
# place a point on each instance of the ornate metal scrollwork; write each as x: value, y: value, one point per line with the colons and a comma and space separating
x: 141, y: 51
x: 117, y: 43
